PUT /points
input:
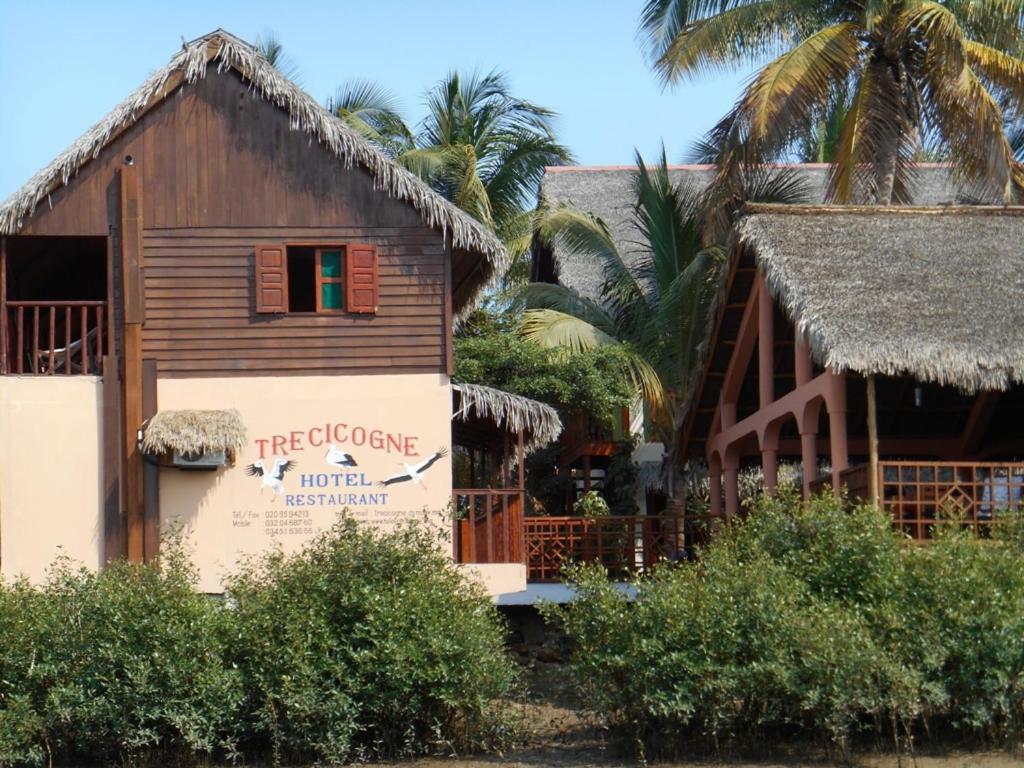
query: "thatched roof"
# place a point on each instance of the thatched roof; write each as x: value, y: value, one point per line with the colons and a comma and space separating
x: 539, y: 422
x: 229, y: 52
x: 606, y: 192
x: 194, y: 432
x: 934, y: 293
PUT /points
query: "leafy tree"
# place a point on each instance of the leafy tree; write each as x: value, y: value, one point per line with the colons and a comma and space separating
x: 594, y: 381
x: 655, y: 301
x: 920, y: 73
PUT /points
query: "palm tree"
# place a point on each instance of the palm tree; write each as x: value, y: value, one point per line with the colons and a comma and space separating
x: 486, y: 150
x: 479, y: 146
x: 270, y: 45
x: 375, y: 113
x: 919, y: 73
x: 655, y: 301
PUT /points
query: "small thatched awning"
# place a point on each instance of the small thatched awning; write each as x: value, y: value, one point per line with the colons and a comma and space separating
x: 539, y: 423
x: 934, y: 293
x: 194, y: 432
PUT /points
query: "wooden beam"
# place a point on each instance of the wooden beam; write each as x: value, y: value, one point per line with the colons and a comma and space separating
x: 977, y: 422
x: 872, y: 442
x: 133, y: 296
x: 448, y: 316
x: 113, y: 520
x: 150, y: 472
x: 133, y: 316
x: 131, y: 379
x: 765, y: 344
x: 745, y: 339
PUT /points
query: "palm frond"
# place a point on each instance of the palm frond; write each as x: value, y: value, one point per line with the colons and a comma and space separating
x: 559, y: 298
x: 557, y: 330
x: 273, y: 50
x: 1000, y: 69
x: 967, y: 116
x: 743, y: 33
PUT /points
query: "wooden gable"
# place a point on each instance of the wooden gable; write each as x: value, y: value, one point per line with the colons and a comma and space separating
x: 223, y: 176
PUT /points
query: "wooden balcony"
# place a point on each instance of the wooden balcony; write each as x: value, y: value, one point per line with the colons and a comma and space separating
x: 53, y: 337
x: 622, y: 544
x: 919, y: 494
x: 488, y: 525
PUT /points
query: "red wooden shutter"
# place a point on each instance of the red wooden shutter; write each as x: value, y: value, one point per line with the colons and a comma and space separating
x: 362, y: 289
x: 271, y: 279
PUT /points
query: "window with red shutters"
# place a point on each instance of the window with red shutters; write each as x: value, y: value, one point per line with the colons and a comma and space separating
x: 362, y: 283
x: 271, y: 279
x: 317, y: 278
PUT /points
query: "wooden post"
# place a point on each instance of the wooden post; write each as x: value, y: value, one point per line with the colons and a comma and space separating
x: 765, y: 345
x: 150, y: 472
x: 113, y: 520
x: 521, y: 450
x: 872, y: 442
x: 134, y: 311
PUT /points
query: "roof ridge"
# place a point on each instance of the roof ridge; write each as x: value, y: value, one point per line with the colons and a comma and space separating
x: 881, y: 210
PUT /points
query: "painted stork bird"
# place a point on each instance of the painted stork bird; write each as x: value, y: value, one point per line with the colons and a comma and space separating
x: 274, y: 479
x: 415, y: 472
x: 338, y: 458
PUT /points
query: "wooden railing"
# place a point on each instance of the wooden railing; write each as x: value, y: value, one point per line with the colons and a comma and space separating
x: 622, y: 544
x: 53, y: 337
x: 488, y: 525
x: 919, y: 494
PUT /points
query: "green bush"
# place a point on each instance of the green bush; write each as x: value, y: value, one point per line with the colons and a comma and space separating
x: 113, y: 665
x: 359, y: 646
x: 810, y: 619
x: 366, y: 645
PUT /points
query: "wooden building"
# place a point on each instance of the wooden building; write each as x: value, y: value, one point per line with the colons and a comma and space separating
x: 220, y: 253
x: 881, y: 348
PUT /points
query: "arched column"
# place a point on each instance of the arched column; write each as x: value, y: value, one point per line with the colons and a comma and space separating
x: 770, y: 456
x: 730, y: 477
x: 838, y: 447
x: 715, y: 485
x: 808, y: 423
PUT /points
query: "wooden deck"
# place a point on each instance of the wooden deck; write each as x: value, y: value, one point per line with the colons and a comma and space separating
x: 490, y: 527
x: 622, y: 544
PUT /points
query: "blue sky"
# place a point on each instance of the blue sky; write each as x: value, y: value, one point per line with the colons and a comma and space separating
x: 63, y: 65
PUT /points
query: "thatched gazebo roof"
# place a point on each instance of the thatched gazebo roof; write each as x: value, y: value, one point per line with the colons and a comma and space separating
x: 539, y: 423
x: 934, y: 293
x: 226, y: 51
x: 190, y: 432
x: 607, y: 192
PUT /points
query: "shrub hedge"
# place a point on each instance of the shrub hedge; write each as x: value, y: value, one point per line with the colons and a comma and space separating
x: 809, y: 620
x: 362, y: 645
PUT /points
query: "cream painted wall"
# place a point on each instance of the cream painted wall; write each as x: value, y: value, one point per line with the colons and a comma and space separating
x: 50, y: 472
x: 384, y: 422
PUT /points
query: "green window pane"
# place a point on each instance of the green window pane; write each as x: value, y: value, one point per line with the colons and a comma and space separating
x: 331, y: 298
x: 330, y: 264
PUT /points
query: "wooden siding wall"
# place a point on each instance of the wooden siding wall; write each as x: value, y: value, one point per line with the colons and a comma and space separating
x: 222, y: 172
